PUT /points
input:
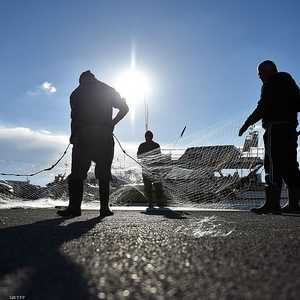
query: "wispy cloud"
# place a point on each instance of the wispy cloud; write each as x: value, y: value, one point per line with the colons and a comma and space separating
x: 46, y: 87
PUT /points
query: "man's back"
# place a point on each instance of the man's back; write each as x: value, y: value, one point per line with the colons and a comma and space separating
x: 148, y: 146
x: 281, y: 99
x: 92, y: 104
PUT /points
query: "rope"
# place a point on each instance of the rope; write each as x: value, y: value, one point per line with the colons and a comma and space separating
x: 62, y: 156
x: 124, y: 151
x: 146, y: 168
x: 41, y: 171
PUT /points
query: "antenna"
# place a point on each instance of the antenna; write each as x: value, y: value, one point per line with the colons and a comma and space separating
x: 146, y: 115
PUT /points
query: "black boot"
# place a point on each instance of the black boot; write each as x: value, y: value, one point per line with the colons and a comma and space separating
x: 150, y: 205
x: 75, y: 199
x: 104, y: 199
x: 293, y: 205
x: 159, y: 195
x: 272, y: 204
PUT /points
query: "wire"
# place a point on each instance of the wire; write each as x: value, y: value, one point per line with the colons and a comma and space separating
x: 63, y: 155
x: 41, y: 171
x: 124, y: 151
x: 146, y: 168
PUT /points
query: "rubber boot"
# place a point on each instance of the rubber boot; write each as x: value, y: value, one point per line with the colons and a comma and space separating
x: 104, y: 199
x: 148, y: 192
x: 75, y: 198
x: 293, y: 205
x: 159, y: 194
x: 150, y: 199
x: 272, y: 204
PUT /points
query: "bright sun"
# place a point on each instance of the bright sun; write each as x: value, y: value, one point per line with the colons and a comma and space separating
x: 133, y: 85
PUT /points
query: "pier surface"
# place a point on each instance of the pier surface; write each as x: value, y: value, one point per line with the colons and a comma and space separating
x: 163, y: 254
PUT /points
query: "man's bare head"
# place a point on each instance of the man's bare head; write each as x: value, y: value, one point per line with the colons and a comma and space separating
x: 266, y: 70
x: 148, y: 136
x: 86, y: 76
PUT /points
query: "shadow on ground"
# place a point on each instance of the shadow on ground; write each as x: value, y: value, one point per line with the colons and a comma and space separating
x: 166, y: 212
x: 32, y: 263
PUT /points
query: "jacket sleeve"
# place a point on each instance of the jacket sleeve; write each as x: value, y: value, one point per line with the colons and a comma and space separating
x: 261, y: 107
x: 74, y: 108
x: 296, y: 94
x: 117, y: 101
x: 139, y: 152
x: 298, y: 101
x: 158, y: 149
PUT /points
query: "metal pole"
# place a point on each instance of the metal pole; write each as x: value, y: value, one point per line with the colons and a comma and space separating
x: 146, y: 114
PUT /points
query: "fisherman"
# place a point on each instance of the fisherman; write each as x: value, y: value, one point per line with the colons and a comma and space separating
x: 92, y: 126
x: 278, y: 107
x: 145, y: 151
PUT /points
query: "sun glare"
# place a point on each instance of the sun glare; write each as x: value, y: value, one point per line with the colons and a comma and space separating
x: 132, y: 85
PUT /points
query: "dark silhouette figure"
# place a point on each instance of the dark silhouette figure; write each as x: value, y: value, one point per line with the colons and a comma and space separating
x: 92, y: 126
x: 278, y: 108
x: 149, y: 147
x: 35, y: 250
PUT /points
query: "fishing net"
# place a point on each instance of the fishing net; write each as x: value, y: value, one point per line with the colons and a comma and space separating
x: 207, y: 176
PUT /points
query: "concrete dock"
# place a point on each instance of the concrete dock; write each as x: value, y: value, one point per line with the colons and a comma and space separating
x: 162, y: 254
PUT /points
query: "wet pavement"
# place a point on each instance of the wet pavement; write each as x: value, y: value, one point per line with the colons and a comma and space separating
x: 163, y: 254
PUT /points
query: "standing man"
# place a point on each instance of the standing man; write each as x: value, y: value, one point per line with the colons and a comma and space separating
x: 92, y: 126
x: 278, y: 107
x: 145, y: 151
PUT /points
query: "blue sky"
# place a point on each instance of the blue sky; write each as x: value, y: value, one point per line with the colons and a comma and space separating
x: 201, y: 56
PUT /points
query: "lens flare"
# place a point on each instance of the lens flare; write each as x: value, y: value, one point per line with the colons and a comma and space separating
x: 133, y: 85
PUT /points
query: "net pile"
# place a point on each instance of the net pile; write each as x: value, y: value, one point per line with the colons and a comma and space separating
x: 220, y: 176
x: 208, y: 174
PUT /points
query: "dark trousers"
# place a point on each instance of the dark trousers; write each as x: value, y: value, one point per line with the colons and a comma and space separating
x: 280, y: 160
x: 93, y: 145
x: 148, y: 183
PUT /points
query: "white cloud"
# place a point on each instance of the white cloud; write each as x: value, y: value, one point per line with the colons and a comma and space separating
x: 48, y: 87
x: 26, y: 138
x: 24, y: 150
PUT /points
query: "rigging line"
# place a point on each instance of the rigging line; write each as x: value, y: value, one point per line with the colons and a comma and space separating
x: 41, y: 171
x: 124, y: 151
x: 132, y: 158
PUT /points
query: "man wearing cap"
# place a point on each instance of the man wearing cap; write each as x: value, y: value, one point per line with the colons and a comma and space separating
x: 92, y: 126
x: 277, y: 108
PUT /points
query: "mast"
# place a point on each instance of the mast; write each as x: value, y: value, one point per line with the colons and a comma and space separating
x: 146, y: 115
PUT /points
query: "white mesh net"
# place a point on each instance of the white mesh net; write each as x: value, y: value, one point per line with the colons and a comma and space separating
x: 207, y: 176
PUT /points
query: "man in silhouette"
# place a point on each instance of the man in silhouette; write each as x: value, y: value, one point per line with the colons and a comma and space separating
x: 147, y: 152
x: 92, y: 126
x: 277, y: 108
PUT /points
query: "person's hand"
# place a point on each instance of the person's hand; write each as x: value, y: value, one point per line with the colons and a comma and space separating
x: 243, y: 129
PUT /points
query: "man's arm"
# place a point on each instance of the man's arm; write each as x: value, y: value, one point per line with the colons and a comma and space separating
x: 121, y: 105
x: 259, y: 111
x: 159, y: 149
x: 139, y: 152
x: 123, y: 110
x: 252, y: 119
x: 74, y: 125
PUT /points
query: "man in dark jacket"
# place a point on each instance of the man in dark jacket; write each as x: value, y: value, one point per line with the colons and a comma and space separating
x: 148, y: 151
x: 278, y: 108
x: 92, y: 126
